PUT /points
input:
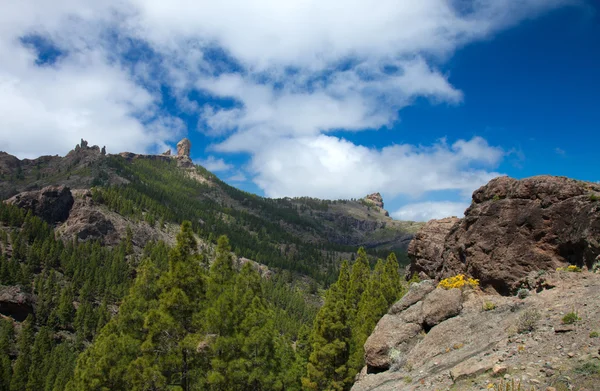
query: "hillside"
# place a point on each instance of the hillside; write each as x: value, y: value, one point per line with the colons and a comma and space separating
x: 304, y: 235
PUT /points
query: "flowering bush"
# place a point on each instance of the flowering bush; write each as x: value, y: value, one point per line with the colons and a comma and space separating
x: 458, y: 281
x: 570, y: 268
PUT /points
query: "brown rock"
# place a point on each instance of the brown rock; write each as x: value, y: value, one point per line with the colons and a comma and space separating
x: 52, y: 203
x: 427, y: 246
x: 390, y: 333
x: 167, y: 152
x: 499, y: 370
x: 15, y: 303
x: 472, y: 367
x: 416, y: 292
x: 183, y: 147
x: 514, y: 227
x: 440, y: 305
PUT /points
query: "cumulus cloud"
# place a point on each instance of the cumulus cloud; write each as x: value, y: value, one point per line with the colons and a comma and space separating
x: 281, y: 75
x: 214, y: 164
x: 425, y: 211
x: 330, y: 167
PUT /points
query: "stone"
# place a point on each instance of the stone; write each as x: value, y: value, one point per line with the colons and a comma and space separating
x: 513, y: 227
x: 103, y: 150
x: 416, y: 292
x: 167, y: 152
x: 183, y: 147
x: 471, y: 368
x: 499, y: 370
x: 563, y: 328
x: 15, y: 303
x: 376, y: 199
x: 427, y: 246
x: 440, y: 305
x: 52, y: 203
x: 390, y: 333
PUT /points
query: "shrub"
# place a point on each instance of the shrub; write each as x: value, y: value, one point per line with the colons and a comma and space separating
x: 594, y: 197
x: 489, y: 306
x: 522, y: 293
x: 458, y: 281
x: 510, y: 386
x: 570, y: 318
x: 570, y: 268
x: 528, y: 321
x: 596, y: 267
x: 589, y: 368
x: 594, y: 334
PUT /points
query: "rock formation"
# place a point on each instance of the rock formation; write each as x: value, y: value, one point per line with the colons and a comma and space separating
x: 167, y: 152
x: 52, y: 203
x: 183, y: 147
x: 513, y: 227
x: 376, y: 199
x: 436, y: 339
x: 15, y: 303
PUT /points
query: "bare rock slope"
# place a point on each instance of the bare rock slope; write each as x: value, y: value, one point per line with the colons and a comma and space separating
x: 513, y: 227
x: 436, y: 339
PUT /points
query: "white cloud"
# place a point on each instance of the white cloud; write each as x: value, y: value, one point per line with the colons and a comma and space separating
x: 214, y: 164
x: 425, y: 211
x: 296, y: 70
x: 329, y: 167
x: 238, y: 177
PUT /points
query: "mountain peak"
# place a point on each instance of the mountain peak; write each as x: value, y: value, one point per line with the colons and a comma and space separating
x: 183, y: 147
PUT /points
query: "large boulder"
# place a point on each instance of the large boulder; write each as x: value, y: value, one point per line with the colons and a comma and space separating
x: 440, y: 305
x: 15, y: 303
x: 513, y: 227
x: 52, y: 204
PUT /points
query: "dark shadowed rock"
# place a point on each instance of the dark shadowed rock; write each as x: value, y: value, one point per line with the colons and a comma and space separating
x: 514, y: 227
x: 52, y: 203
x: 15, y: 303
x: 428, y: 245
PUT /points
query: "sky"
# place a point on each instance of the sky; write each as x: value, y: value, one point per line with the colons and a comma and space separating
x: 422, y: 101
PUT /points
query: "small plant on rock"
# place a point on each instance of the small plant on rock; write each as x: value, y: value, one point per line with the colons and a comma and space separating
x: 594, y: 197
x: 570, y: 268
x: 489, y: 306
x: 594, y: 334
x: 522, y: 293
x: 528, y: 321
x: 511, y: 386
x: 459, y: 281
x: 570, y: 318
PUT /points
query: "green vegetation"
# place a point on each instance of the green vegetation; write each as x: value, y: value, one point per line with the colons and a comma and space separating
x: 571, y: 318
x: 523, y: 293
x: 511, y: 385
x: 528, y: 320
x: 489, y: 306
x: 353, y: 305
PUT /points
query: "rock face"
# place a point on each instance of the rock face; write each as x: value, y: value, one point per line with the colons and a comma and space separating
x: 183, y: 147
x: 52, y: 203
x: 167, y: 152
x: 376, y: 199
x: 15, y: 303
x: 513, y: 227
x: 428, y: 245
x: 467, y: 346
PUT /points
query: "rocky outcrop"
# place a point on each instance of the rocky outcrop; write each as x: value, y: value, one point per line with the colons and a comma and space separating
x: 468, y: 345
x: 52, y: 204
x: 15, y: 303
x: 428, y: 245
x: 183, y: 147
x: 376, y: 200
x: 513, y: 227
x: 167, y: 152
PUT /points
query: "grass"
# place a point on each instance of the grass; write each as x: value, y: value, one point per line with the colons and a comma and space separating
x: 510, y: 386
x: 571, y: 318
x: 594, y: 334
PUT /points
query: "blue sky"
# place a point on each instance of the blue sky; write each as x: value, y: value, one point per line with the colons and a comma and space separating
x: 421, y: 101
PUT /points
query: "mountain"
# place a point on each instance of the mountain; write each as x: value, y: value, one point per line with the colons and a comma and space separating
x: 111, y: 192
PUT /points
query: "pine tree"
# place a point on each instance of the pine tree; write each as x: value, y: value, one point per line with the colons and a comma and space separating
x: 39, y: 360
x: 6, y: 336
x: 391, y: 280
x: 371, y: 308
x: 327, y: 367
x: 359, y: 278
x: 23, y: 363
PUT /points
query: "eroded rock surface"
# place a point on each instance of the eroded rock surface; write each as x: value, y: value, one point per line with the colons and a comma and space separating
x: 513, y: 227
x: 183, y: 147
x: 52, y: 203
x: 474, y: 347
x: 15, y: 303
